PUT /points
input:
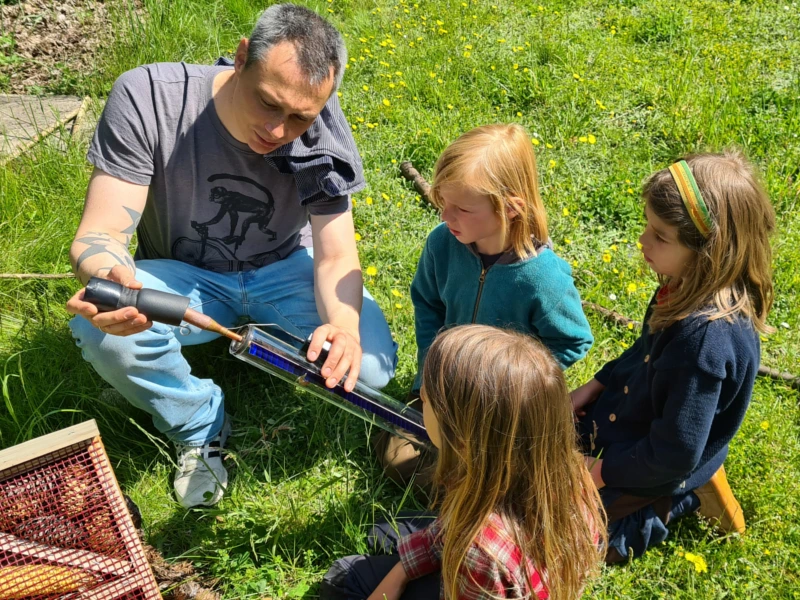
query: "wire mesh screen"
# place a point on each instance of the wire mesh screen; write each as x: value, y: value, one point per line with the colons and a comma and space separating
x: 65, y: 531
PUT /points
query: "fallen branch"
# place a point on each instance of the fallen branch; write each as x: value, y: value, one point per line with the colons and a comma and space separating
x: 78, y: 123
x: 22, y: 148
x: 36, y: 275
x: 423, y: 187
x: 611, y: 315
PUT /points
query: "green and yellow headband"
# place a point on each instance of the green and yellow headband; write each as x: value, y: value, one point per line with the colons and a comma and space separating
x: 692, y: 199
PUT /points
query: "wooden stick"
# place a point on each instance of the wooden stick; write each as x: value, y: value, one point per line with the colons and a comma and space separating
x: 119, y: 588
x: 81, y: 559
x: 423, y: 187
x: 36, y: 275
x: 611, y: 315
x: 19, y: 150
x: 78, y: 122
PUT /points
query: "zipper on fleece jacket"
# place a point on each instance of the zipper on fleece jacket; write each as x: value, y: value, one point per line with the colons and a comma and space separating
x: 480, y: 291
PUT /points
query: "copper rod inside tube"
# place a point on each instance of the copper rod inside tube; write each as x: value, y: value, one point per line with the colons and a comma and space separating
x: 205, y: 322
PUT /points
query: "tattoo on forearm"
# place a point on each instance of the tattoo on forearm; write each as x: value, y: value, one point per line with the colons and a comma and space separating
x: 135, y: 217
x: 102, y: 243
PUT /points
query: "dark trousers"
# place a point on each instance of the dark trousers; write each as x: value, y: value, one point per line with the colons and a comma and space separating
x: 356, y: 577
x: 635, y: 523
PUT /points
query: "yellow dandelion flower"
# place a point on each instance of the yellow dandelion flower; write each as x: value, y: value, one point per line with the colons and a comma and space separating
x: 355, y: 127
x: 396, y: 293
x: 384, y: 196
x: 368, y: 200
x: 386, y: 102
x: 567, y: 241
x: 614, y: 247
x: 552, y: 164
x: 339, y: 94
x: 519, y: 114
x: 576, y: 76
x: 565, y: 211
x: 639, y: 245
x: 358, y: 237
x: 501, y: 41
x: 630, y: 325
x: 399, y: 205
x: 365, y: 88
x: 764, y: 425
x: 698, y: 561
x: 592, y: 139
x: 398, y: 305
x: 372, y: 271
x: 535, y: 142
x: 550, y: 146
x: 606, y: 257
x: 632, y: 287
x: 574, y: 263
x: 450, y: 106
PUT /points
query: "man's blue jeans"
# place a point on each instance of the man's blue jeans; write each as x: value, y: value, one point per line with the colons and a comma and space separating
x: 149, y: 370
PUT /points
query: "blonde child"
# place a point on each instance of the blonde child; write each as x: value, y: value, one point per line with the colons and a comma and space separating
x: 489, y: 262
x: 659, y: 418
x: 519, y: 515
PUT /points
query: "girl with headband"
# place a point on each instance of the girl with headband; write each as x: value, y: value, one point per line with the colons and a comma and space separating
x: 656, y: 421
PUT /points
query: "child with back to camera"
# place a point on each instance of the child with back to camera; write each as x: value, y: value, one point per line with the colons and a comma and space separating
x: 659, y: 418
x: 489, y: 262
x: 519, y: 515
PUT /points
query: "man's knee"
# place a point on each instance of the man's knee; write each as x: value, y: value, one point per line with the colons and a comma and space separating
x: 100, y: 348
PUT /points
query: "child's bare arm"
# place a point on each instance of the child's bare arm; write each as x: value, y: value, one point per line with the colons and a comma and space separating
x: 392, y: 586
x: 585, y: 395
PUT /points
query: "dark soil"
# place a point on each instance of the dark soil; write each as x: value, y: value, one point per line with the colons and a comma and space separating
x: 49, y: 45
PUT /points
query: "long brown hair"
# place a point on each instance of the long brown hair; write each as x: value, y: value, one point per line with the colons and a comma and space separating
x: 498, y: 161
x: 731, y: 273
x: 509, y: 447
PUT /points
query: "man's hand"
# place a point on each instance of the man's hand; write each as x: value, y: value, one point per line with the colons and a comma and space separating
x: 585, y: 395
x: 392, y: 586
x: 125, y: 321
x: 345, y: 353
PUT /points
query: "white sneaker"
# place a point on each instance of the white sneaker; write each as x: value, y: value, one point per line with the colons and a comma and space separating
x: 201, y: 478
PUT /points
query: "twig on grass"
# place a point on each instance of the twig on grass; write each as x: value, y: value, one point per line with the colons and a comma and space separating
x: 423, y: 187
x: 22, y: 148
x: 36, y: 275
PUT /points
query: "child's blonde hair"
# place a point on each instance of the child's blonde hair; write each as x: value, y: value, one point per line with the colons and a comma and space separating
x: 498, y: 161
x: 732, y: 269
x: 509, y: 447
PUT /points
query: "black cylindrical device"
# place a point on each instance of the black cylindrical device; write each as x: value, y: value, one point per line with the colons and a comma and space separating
x: 157, y: 306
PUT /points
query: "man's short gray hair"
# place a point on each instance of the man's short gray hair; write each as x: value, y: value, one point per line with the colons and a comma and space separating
x: 318, y: 44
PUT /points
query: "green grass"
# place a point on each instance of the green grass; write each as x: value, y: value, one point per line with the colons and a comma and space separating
x: 640, y: 82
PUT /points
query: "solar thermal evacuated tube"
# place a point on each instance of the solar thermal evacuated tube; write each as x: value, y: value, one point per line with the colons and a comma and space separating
x: 282, y: 359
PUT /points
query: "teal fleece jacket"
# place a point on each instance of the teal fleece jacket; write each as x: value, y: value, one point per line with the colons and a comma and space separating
x: 535, y: 295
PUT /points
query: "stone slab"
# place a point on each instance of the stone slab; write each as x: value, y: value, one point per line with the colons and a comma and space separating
x: 26, y: 119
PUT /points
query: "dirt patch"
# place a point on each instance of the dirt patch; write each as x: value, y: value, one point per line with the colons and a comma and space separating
x: 48, y: 45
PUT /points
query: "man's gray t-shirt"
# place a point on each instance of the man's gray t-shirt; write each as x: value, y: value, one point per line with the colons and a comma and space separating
x: 212, y: 201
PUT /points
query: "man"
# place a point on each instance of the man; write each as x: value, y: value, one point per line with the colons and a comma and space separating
x: 208, y: 166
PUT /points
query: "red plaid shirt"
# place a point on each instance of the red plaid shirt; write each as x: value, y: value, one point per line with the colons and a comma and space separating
x: 491, y: 569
